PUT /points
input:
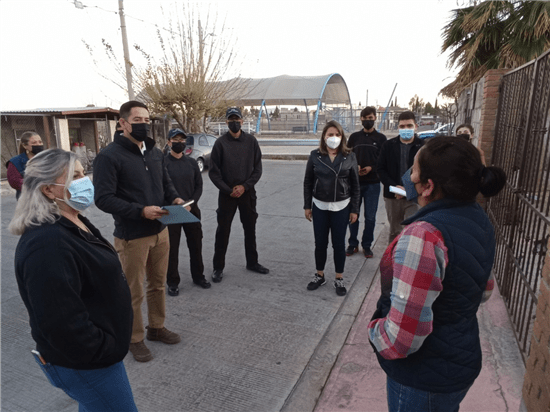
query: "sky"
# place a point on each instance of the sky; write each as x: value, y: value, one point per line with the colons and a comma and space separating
x: 373, y: 45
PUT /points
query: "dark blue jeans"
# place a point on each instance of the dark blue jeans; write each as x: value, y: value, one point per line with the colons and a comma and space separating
x: 335, y: 223
x: 403, y: 398
x: 95, y: 390
x: 369, y: 197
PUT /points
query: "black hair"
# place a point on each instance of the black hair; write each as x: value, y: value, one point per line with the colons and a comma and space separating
x: 127, y: 107
x: 455, y: 167
x: 466, y: 125
x: 368, y: 110
x: 408, y: 115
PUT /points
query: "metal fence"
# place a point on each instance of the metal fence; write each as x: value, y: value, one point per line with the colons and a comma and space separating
x: 521, y: 212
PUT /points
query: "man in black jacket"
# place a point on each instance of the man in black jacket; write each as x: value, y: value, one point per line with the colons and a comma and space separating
x: 235, y: 167
x: 131, y: 183
x: 396, y: 157
x: 186, y: 176
x: 366, y: 144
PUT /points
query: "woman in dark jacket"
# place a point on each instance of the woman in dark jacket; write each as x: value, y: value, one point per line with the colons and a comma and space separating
x: 331, y: 200
x: 30, y: 145
x: 434, y: 275
x: 72, y: 284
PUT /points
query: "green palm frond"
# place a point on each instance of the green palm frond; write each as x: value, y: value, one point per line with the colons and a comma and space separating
x: 492, y: 35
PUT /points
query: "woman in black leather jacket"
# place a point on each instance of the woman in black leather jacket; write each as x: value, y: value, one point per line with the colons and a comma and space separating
x: 331, y: 200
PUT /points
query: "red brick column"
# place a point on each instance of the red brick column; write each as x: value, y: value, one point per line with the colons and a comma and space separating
x: 536, y: 385
x: 486, y: 133
x: 489, y: 108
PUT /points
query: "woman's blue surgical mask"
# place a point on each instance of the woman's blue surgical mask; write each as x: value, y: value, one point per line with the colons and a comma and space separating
x: 406, y: 134
x: 408, y: 185
x: 82, y: 193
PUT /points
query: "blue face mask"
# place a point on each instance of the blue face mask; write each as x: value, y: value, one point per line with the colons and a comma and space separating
x: 82, y: 194
x: 412, y: 194
x: 406, y: 134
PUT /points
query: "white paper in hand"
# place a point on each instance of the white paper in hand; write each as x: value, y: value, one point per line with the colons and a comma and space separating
x: 398, y: 191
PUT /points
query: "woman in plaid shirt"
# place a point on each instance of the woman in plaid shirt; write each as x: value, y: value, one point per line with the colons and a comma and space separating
x: 434, y: 276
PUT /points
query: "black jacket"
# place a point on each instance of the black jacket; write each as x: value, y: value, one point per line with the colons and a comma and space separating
x: 388, y: 167
x: 235, y: 162
x: 79, y: 304
x: 187, y: 179
x: 332, y: 182
x: 125, y: 181
x: 367, y: 147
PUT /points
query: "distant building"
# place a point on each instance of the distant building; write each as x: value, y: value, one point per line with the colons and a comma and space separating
x: 91, y: 128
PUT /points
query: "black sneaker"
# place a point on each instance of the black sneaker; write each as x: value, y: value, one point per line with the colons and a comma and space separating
x: 173, y: 290
x: 339, y: 286
x: 317, y: 281
x: 351, y: 250
x: 368, y: 253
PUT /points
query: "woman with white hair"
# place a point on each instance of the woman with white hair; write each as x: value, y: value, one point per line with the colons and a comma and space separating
x: 72, y: 284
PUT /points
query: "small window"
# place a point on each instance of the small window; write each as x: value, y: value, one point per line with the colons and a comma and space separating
x: 203, y: 141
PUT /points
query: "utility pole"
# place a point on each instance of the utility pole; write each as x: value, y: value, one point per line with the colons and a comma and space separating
x: 131, y: 94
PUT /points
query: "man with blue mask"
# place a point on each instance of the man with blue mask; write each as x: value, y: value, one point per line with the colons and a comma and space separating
x: 131, y: 183
x: 396, y: 157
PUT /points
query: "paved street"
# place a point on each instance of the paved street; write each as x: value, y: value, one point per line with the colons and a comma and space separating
x: 253, y: 342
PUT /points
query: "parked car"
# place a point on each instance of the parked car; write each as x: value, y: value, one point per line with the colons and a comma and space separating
x: 199, y: 147
x: 440, y: 131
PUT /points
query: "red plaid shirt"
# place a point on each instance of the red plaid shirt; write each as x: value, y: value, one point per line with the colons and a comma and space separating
x: 413, y: 267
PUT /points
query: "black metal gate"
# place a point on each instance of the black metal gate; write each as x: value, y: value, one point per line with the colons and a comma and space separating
x: 521, y: 212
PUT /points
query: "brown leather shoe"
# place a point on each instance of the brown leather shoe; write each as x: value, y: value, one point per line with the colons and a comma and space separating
x: 163, y: 335
x: 141, y: 352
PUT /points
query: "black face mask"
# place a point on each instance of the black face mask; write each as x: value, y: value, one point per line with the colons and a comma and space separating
x: 234, y: 126
x: 465, y: 136
x: 141, y: 131
x: 37, y: 149
x: 367, y: 124
x: 178, y: 147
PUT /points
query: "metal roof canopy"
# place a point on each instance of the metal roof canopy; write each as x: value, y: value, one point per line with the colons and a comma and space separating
x: 291, y: 90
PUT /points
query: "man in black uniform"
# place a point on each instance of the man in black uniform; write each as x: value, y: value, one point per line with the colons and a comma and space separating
x: 186, y: 176
x: 235, y: 167
x: 366, y: 144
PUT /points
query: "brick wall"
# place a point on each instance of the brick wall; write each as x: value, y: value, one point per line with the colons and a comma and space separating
x: 536, y: 386
x: 486, y: 133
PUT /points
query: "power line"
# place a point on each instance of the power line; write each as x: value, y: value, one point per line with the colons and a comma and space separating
x: 80, y: 5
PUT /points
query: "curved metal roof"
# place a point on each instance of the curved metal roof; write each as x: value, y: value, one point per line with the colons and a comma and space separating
x: 291, y: 90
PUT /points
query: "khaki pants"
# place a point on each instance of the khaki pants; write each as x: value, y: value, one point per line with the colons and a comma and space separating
x: 143, y: 259
x: 398, y: 210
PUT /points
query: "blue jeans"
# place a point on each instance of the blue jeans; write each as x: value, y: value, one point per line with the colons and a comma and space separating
x: 369, y: 197
x: 336, y: 223
x: 95, y: 390
x: 403, y: 398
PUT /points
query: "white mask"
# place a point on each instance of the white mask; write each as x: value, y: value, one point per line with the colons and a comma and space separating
x: 333, y: 142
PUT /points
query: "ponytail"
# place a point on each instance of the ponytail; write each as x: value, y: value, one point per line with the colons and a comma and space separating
x: 492, y: 181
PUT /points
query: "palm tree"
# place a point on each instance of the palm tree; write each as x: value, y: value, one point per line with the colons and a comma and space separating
x: 494, y: 35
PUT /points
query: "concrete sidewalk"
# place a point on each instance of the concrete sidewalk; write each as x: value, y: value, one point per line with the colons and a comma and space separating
x: 257, y: 343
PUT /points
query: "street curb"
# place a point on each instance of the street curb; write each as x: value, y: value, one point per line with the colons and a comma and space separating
x: 285, y: 156
x: 307, y: 391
